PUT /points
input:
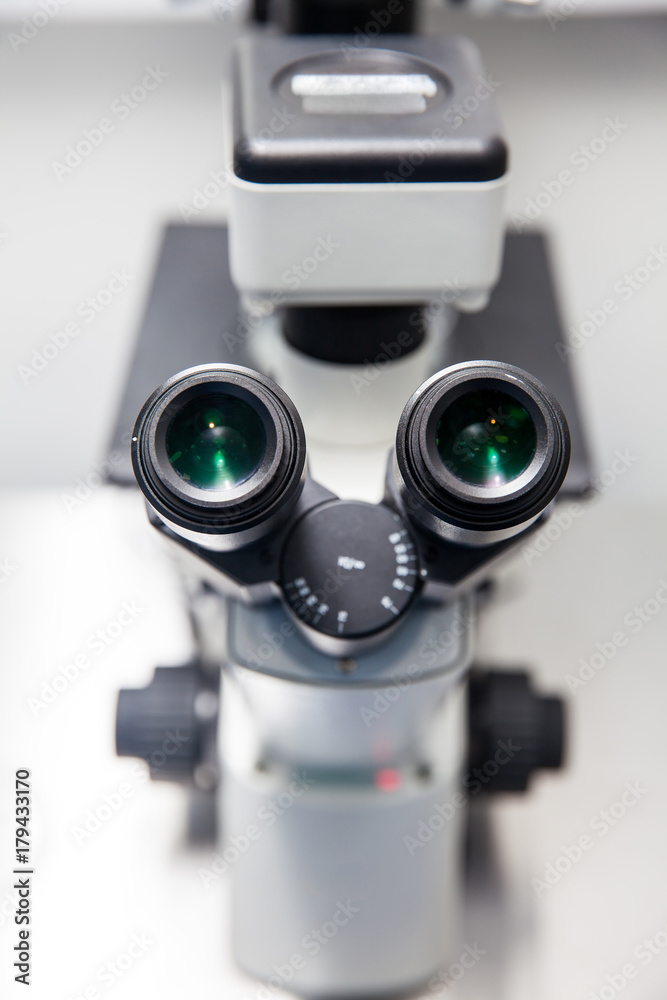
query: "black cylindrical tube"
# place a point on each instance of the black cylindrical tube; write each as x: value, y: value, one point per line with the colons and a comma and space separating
x: 482, y: 449
x: 219, y: 453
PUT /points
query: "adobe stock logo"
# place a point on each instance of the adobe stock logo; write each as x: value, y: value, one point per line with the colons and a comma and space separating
x: 33, y: 24
x: 473, y: 782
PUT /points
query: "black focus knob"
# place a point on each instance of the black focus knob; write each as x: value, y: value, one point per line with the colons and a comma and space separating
x: 163, y: 723
x: 349, y: 570
x: 513, y: 730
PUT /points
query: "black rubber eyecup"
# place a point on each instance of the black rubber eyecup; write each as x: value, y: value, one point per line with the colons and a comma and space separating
x: 433, y: 485
x: 274, y: 481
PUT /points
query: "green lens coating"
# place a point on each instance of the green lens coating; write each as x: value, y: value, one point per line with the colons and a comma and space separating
x: 486, y: 438
x: 216, y: 441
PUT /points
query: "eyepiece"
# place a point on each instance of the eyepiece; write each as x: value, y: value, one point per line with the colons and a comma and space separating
x: 482, y: 448
x: 219, y: 453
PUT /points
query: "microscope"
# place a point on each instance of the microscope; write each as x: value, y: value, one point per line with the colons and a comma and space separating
x: 338, y: 468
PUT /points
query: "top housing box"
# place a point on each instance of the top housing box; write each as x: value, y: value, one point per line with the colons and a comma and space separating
x: 365, y: 174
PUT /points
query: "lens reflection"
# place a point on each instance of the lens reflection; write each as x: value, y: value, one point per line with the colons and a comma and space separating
x: 216, y: 441
x: 486, y: 438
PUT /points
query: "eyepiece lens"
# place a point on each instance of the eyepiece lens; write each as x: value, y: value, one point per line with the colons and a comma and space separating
x: 216, y: 441
x: 486, y: 438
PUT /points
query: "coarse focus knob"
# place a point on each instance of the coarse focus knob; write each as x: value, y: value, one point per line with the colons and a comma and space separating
x: 513, y: 730
x: 163, y: 722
